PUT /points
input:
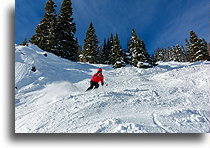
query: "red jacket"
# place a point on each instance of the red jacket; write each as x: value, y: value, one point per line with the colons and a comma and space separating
x: 98, y: 77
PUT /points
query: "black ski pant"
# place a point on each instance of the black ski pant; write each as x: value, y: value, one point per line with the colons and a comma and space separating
x: 93, y: 85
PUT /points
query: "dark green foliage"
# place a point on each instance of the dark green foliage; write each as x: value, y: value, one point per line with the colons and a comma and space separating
x: 176, y: 54
x: 56, y: 35
x: 110, y: 42
x: 51, y: 44
x: 127, y: 56
x: 139, y: 56
x: 194, y: 47
x: 64, y: 32
x: 196, y: 51
x: 208, y: 51
x: 180, y: 54
x: 188, y: 46
x: 153, y: 61
x: 117, y: 54
x: 159, y: 55
x: 90, y: 52
x: 104, y: 53
x: 205, y: 50
x: 198, y: 48
x: 78, y: 51
x: 44, y: 31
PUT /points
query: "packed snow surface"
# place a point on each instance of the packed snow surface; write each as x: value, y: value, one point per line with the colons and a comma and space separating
x: 169, y: 98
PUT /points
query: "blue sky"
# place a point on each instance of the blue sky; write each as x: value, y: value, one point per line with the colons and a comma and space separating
x: 160, y: 23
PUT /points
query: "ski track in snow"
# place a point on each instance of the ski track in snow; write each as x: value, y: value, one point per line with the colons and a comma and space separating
x: 170, y: 98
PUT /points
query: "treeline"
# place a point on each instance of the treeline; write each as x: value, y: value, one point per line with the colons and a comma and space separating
x: 56, y: 34
x: 112, y: 53
x: 196, y: 49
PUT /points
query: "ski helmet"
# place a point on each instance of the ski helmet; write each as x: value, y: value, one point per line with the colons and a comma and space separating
x: 100, y: 69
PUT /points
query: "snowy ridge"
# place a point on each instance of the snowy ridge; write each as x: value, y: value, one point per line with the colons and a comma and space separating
x: 170, y: 98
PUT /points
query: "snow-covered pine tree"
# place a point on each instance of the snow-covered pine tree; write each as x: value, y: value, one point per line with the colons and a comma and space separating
x: 194, y: 47
x: 160, y: 54
x: 127, y: 55
x: 104, y: 51
x: 44, y: 29
x: 179, y: 54
x: 205, y: 50
x: 51, y: 44
x: 209, y: 50
x: 188, y: 46
x: 174, y: 54
x: 156, y: 54
x: 133, y: 47
x: 117, y: 54
x: 199, y: 48
x: 153, y: 60
x: 166, y: 55
x: 110, y: 42
x: 65, y: 31
x: 99, y: 55
x: 184, y: 54
x: 90, y: 52
x: 140, y: 57
x: 170, y: 58
x: 79, y: 50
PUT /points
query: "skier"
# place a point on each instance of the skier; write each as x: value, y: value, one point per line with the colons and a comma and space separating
x: 98, y: 77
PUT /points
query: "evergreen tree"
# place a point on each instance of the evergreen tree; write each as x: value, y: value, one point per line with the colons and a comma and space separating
x: 51, y: 44
x: 127, y: 55
x: 99, y: 55
x: 153, y: 60
x: 133, y: 45
x: 194, y: 47
x: 166, y: 55
x: 65, y: 31
x: 156, y: 54
x: 174, y: 54
x: 170, y: 54
x: 209, y: 49
x: 79, y: 50
x: 179, y: 54
x: 110, y: 42
x: 205, y: 50
x: 199, y: 48
x: 188, y: 46
x: 184, y: 54
x: 117, y: 54
x: 90, y: 46
x: 105, y: 53
x: 140, y: 57
x: 43, y: 31
x: 160, y: 54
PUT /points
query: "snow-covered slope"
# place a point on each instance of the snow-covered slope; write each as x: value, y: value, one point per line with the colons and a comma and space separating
x: 170, y: 98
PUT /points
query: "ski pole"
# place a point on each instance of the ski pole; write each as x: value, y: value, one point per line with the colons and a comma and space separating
x: 106, y: 84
